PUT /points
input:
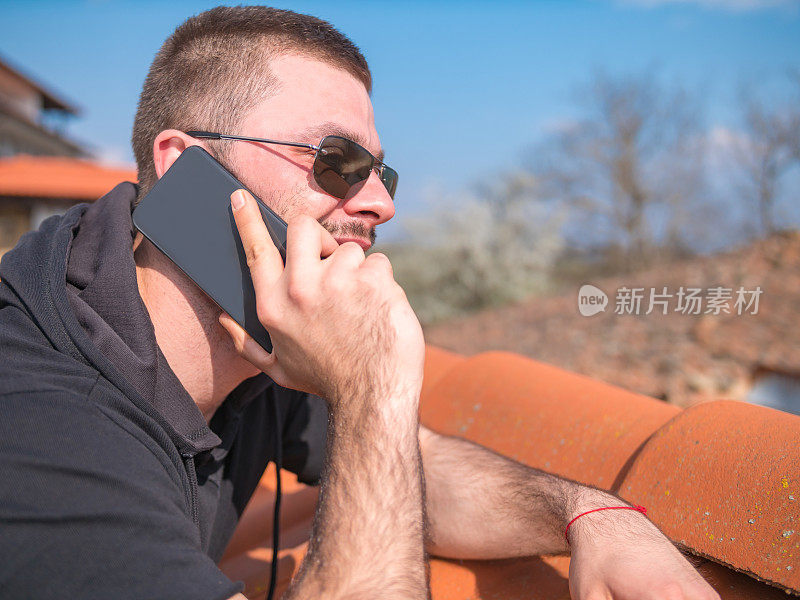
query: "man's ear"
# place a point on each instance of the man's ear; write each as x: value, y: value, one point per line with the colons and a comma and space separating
x: 168, y: 146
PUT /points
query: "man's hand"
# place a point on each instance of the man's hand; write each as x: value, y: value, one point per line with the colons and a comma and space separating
x: 620, y: 554
x: 340, y: 325
x: 513, y: 510
x: 342, y: 328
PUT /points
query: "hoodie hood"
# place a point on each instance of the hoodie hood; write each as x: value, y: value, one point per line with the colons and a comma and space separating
x: 76, y: 278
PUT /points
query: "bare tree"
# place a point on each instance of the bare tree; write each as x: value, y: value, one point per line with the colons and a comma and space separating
x: 478, y: 250
x: 793, y: 127
x: 768, y: 149
x: 631, y: 166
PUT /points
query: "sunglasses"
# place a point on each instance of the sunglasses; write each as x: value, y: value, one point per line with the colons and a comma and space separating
x: 339, y: 164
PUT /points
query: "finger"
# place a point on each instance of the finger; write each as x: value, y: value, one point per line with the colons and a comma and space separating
x: 245, y: 345
x: 263, y: 257
x: 329, y: 245
x: 307, y: 242
x: 379, y: 262
x: 252, y: 352
x: 347, y: 256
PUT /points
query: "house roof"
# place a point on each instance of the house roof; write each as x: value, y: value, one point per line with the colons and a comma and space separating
x: 40, y: 130
x: 59, y: 177
x: 49, y: 99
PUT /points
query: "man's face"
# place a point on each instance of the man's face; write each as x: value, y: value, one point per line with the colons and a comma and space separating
x: 313, y: 100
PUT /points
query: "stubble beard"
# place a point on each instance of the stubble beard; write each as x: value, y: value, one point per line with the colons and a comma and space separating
x: 291, y: 203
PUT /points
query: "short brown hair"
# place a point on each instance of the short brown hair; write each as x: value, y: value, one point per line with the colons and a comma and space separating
x: 220, y: 59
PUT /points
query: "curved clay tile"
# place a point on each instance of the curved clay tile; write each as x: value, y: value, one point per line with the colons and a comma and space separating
x: 58, y: 177
x: 720, y: 478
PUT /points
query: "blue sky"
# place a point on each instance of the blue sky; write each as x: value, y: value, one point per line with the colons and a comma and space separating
x: 461, y: 88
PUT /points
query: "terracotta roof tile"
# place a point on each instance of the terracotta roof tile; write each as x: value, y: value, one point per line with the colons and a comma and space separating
x: 590, y: 431
x: 58, y: 177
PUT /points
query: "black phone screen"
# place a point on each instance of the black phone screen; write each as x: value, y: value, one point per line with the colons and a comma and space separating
x: 187, y: 216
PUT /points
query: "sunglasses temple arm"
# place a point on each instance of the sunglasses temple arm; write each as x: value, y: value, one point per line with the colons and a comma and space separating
x: 219, y: 136
x: 206, y: 135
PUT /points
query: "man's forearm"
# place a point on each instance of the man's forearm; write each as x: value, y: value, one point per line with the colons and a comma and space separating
x: 367, y: 539
x: 483, y: 505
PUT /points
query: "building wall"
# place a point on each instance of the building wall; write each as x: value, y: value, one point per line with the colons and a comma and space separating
x: 23, y: 114
x: 19, y: 215
x: 19, y: 98
x: 20, y: 137
x: 14, y: 221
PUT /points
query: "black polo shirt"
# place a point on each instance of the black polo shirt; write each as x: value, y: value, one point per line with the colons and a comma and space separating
x: 113, y: 482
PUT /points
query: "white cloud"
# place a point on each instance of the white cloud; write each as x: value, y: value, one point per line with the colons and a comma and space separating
x: 725, y: 5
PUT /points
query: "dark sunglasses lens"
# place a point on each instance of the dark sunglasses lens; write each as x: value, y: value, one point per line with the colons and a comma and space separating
x: 341, y: 164
x: 389, y: 178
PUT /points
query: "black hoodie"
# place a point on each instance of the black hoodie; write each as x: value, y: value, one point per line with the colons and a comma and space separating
x: 112, y: 484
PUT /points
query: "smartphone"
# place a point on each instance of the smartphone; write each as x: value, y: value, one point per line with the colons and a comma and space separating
x: 187, y: 216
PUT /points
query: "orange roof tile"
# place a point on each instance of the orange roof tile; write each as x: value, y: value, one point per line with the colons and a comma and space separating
x: 719, y: 479
x: 58, y: 177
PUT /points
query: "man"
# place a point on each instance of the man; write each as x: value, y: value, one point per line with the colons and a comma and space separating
x: 137, y: 419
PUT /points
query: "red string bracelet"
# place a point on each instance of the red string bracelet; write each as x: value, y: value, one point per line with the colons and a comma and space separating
x: 638, y: 508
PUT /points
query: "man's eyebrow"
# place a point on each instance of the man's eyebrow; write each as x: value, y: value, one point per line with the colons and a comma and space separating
x: 315, y: 133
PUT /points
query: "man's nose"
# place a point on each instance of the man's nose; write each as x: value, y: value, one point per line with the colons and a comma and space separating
x: 371, y: 201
